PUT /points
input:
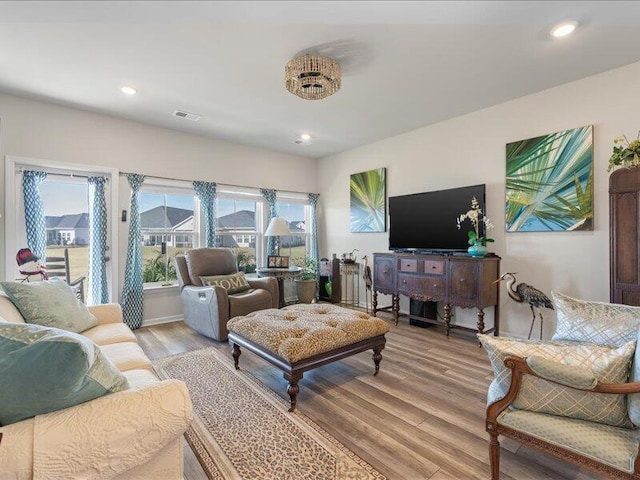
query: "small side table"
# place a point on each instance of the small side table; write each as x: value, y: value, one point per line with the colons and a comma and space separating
x: 280, y: 275
x: 350, y: 273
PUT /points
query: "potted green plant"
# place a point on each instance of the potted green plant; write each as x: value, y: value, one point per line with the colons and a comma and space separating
x: 307, y: 283
x: 625, y: 153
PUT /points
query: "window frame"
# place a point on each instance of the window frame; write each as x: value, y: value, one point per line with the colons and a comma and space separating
x: 298, y: 198
x: 14, y: 215
x: 161, y: 186
x: 226, y: 192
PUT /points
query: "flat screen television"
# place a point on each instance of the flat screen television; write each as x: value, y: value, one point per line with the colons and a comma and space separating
x: 426, y: 222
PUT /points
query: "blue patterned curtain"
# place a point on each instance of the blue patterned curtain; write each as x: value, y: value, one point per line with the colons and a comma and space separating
x: 132, y: 293
x: 208, y: 194
x: 313, y: 202
x: 34, y: 212
x: 270, y: 197
x: 98, y: 287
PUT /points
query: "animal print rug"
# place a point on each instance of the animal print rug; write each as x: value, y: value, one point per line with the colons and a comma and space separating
x: 242, y: 429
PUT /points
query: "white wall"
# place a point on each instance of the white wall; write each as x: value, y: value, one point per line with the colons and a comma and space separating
x: 40, y: 130
x: 469, y: 150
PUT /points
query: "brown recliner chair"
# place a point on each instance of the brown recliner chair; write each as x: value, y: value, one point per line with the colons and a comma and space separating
x: 207, y: 309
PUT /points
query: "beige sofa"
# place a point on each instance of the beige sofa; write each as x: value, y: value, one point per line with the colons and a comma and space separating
x: 133, y: 434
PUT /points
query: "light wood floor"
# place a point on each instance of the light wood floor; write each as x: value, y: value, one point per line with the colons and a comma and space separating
x: 422, y: 417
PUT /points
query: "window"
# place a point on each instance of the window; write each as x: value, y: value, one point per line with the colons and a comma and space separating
x: 238, y: 225
x: 66, y: 207
x: 64, y: 195
x: 297, y: 213
x: 169, y: 227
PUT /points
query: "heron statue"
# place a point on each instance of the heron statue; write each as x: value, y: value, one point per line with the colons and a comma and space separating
x: 368, y: 282
x: 526, y: 293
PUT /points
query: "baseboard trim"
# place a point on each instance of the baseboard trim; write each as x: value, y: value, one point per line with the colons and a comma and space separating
x: 149, y: 322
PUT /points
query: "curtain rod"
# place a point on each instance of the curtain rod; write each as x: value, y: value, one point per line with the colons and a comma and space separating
x: 68, y: 175
x: 223, y: 184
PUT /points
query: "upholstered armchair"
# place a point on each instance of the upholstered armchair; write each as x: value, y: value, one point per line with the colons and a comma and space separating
x: 206, y: 297
x: 576, y: 397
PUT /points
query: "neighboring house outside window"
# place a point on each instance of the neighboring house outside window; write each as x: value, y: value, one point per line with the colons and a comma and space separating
x: 169, y: 227
x: 236, y: 227
x: 68, y: 229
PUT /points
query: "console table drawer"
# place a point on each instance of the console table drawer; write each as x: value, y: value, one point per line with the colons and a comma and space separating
x: 431, y: 287
x: 434, y: 267
x: 408, y: 265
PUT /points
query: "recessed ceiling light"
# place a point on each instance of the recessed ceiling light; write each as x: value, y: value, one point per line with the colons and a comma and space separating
x: 302, y: 139
x: 563, y: 29
x: 128, y: 90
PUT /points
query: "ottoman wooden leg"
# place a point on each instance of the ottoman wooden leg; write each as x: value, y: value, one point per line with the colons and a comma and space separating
x: 236, y: 355
x: 377, y: 357
x: 293, y: 389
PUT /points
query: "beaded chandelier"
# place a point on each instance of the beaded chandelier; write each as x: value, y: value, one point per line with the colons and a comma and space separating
x: 313, y: 77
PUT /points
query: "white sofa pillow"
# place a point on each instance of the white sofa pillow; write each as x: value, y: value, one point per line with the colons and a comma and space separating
x: 8, y: 311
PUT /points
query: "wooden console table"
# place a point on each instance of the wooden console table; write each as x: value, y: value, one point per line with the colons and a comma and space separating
x: 455, y: 280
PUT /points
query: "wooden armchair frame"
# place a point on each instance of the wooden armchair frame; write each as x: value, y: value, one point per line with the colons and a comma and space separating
x: 519, y: 367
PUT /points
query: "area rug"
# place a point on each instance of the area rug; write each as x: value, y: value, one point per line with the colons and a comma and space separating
x: 242, y: 429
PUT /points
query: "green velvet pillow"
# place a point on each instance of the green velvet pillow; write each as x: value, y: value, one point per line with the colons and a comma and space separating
x: 51, y: 303
x: 231, y: 283
x: 47, y: 369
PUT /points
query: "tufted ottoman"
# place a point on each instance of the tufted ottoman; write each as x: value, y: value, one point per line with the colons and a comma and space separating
x: 299, y: 338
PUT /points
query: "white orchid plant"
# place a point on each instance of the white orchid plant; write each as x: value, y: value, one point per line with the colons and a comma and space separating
x: 476, y: 217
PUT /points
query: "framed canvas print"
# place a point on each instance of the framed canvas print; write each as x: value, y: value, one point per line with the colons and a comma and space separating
x: 549, y: 182
x: 368, y: 201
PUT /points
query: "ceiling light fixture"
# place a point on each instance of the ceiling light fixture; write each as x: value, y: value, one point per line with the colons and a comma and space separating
x: 312, y: 77
x: 563, y: 29
x: 302, y: 139
x: 128, y: 90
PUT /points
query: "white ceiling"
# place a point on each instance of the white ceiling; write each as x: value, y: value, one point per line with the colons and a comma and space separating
x: 405, y: 64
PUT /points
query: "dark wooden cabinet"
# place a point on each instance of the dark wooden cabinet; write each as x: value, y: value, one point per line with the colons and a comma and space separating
x: 384, y: 271
x: 454, y: 280
x: 624, y: 218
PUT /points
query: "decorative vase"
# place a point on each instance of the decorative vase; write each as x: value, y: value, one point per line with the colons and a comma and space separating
x: 477, y: 250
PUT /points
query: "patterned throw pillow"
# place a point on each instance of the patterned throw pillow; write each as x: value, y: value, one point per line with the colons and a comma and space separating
x: 47, y: 369
x: 608, y: 364
x: 602, y: 323
x: 51, y: 304
x: 231, y: 283
x: 595, y: 322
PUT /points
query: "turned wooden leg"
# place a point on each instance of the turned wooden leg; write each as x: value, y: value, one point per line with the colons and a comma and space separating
x: 374, y: 303
x: 236, y: 355
x: 494, y: 456
x: 447, y: 319
x: 377, y: 357
x: 480, y: 321
x: 395, y: 302
x: 293, y: 388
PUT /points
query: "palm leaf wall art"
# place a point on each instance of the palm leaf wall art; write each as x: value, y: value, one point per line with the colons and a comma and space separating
x: 549, y: 184
x: 368, y: 201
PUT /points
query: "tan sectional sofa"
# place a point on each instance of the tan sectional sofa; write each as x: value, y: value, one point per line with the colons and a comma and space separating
x: 133, y: 434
